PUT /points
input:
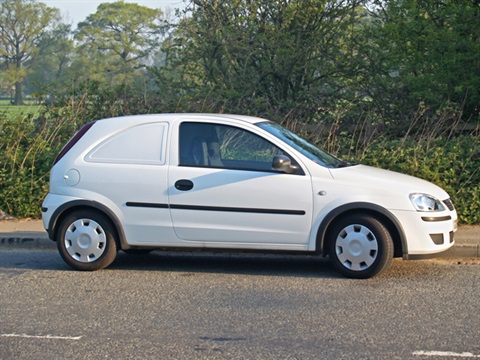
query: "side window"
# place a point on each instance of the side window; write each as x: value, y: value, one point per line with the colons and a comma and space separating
x: 243, y: 149
x: 214, y: 145
x: 142, y: 144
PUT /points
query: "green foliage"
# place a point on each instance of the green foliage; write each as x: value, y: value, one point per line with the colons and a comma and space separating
x: 453, y: 164
x: 50, y: 73
x: 379, y: 82
x: 447, y: 159
x: 94, y: 100
x: 117, y: 40
x: 22, y: 25
x: 23, y: 165
x: 286, y: 58
x: 302, y: 60
x: 29, y: 143
x: 422, y: 52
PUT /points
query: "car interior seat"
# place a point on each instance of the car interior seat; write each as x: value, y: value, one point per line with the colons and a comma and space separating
x: 199, y: 152
x: 213, y: 148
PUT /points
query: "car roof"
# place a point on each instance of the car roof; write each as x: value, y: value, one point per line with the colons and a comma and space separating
x: 170, y: 117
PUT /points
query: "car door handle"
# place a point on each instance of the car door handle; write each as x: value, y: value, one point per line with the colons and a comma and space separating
x: 184, y: 185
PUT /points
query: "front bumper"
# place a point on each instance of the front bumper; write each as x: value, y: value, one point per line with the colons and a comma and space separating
x: 427, y: 234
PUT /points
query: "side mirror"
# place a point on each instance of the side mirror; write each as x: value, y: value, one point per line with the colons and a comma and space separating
x: 283, y: 163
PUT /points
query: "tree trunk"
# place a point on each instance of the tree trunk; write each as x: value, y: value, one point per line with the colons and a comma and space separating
x: 18, y: 94
x: 18, y: 83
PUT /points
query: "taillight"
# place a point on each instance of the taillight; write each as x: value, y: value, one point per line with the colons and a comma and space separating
x: 73, y: 141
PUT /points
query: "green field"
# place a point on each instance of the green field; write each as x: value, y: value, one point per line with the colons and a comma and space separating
x: 30, y: 107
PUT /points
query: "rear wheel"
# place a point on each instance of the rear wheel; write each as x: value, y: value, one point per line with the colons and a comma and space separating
x: 87, y: 240
x: 360, y: 246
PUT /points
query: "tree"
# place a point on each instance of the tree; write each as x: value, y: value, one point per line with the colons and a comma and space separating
x: 22, y: 25
x: 50, y: 69
x: 288, y: 54
x: 424, y: 52
x: 118, y: 39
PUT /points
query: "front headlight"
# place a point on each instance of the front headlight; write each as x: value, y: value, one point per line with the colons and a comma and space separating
x: 425, y: 202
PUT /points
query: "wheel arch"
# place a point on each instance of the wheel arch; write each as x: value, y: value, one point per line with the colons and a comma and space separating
x: 64, y: 210
x: 386, y: 217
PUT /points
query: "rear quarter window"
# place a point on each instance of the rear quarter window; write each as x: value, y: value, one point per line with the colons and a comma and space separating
x: 141, y: 144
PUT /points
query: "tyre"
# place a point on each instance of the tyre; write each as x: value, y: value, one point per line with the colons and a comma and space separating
x: 360, y: 246
x: 87, y: 240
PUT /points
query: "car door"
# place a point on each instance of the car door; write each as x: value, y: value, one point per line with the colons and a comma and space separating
x: 224, y: 193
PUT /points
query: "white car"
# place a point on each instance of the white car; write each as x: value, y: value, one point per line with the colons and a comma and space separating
x: 138, y: 183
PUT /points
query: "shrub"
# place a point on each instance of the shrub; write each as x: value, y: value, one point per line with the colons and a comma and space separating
x: 449, y: 160
x: 29, y: 143
x: 451, y: 163
x: 429, y: 149
x: 24, y: 165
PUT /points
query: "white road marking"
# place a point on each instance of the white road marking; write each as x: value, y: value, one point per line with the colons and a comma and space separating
x: 55, y: 337
x: 446, y: 354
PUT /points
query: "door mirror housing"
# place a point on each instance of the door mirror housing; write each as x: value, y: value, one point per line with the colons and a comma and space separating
x: 284, y: 164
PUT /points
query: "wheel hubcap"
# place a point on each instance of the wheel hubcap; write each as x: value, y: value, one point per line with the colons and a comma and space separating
x: 356, y: 247
x: 85, y: 240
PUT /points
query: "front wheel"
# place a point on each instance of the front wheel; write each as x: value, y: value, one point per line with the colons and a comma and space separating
x: 360, y: 246
x: 86, y: 240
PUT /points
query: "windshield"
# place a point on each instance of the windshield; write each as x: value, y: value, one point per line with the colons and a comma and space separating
x: 304, y: 147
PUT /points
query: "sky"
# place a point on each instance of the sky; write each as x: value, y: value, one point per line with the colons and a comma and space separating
x: 75, y: 11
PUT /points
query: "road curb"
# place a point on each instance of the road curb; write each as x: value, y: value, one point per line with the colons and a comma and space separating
x: 463, y: 251
x: 37, y: 241
x: 27, y: 242
x: 30, y: 234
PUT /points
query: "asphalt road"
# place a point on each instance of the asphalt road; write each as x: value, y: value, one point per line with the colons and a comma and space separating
x: 172, y: 306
